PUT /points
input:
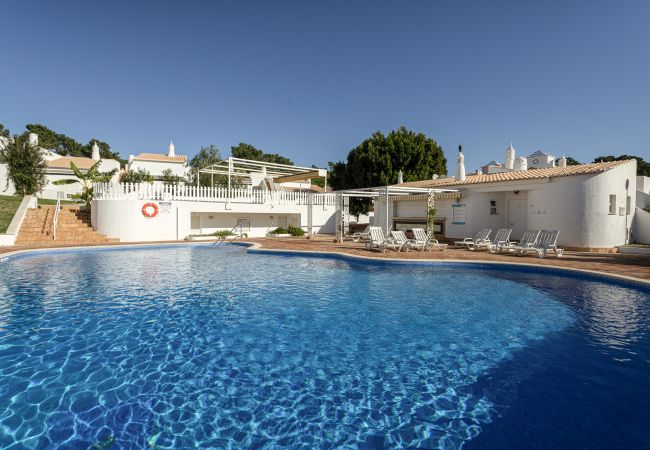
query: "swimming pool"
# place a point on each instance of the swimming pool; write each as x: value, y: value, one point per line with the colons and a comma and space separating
x: 185, y: 346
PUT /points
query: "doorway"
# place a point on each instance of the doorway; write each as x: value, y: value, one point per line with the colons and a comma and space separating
x: 517, y: 217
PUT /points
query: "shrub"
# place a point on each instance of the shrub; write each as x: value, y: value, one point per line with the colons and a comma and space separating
x: 296, y: 231
x: 223, y: 234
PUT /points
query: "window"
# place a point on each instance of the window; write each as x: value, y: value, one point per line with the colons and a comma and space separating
x: 612, y: 204
x: 245, y: 224
x: 493, y: 208
x: 628, y: 205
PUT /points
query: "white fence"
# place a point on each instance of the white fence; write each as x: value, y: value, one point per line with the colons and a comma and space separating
x: 147, y: 191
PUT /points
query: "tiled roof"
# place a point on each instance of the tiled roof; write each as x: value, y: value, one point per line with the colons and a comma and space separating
x: 160, y: 158
x: 64, y: 162
x: 538, y: 154
x: 519, y: 175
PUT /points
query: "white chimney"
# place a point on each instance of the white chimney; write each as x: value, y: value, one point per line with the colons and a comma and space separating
x: 562, y: 161
x: 510, y: 157
x: 131, y: 158
x: 33, y: 139
x: 400, y: 177
x: 460, y: 165
x: 521, y: 163
x: 95, y: 155
x: 171, y: 153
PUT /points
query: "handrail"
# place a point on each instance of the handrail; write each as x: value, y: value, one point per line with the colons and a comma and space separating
x: 57, y: 208
x: 225, y: 239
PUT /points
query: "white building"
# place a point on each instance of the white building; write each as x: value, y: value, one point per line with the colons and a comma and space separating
x: 592, y: 205
x: 58, y: 168
x: 157, y: 163
x: 258, y: 198
x: 537, y: 160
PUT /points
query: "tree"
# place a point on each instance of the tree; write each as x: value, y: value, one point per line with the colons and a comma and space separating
x: 642, y: 166
x: 133, y: 176
x: 87, y: 181
x: 206, y: 157
x: 25, y: 165
x: 169, y: 179
x: 247, y: 151
x: 4, y: 132
x: 67, y: 146
x: 569, y: 161
x: 378, y: 159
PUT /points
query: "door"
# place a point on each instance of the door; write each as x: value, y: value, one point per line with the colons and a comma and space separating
x: 517, y: 217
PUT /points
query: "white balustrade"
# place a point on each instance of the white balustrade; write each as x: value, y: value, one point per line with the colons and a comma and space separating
x: 149, y: 191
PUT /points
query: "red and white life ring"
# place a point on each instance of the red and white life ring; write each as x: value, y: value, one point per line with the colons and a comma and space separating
x: 150, y: 210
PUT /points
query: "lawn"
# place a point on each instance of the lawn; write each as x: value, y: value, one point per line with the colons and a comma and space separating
x: 9, y: 204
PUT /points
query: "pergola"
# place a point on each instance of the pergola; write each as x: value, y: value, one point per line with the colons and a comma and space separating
x: 244, y: 168
x: 381, y: 196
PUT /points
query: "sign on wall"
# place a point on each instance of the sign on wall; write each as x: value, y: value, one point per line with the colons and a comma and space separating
x: 165, y: 207
x: 458, y: 214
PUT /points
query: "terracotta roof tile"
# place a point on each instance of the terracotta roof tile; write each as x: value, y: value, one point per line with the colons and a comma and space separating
x: 518, y: 175
x: 64, y: 162
x: 160, y: 158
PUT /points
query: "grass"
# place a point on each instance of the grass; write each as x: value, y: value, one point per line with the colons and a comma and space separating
x: 10, y: 203
x: 638, y: 245
x: 8, y: 206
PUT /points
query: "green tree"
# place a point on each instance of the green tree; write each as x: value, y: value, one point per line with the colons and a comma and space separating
x: 4, y: 132
x: 136, y: 176
x: 642, y: 166
x: 169, y: 179
x: 87, y: 181
x: 206, y: 157
x: 569, y: 161
x: 67, y: 146
x: 25, y: 165
x: 247, y: 151
x: 378, y: 159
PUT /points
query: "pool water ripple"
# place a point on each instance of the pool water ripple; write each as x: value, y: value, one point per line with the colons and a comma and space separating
x: 213, y: 347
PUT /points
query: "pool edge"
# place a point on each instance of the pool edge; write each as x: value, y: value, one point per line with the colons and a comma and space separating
x: 256, y: 247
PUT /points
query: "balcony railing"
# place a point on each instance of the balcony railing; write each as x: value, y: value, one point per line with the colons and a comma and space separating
x: 148, y: 191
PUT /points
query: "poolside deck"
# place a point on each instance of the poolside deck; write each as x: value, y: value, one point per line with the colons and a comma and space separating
x: 635, y: 266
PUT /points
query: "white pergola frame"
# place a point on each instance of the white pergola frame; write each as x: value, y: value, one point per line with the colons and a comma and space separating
x: 381, y: 196
x: 239, y: 167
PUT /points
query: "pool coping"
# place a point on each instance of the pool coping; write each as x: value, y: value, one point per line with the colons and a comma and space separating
x: 256, y: 247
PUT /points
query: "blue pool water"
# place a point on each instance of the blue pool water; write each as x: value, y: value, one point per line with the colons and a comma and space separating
x: 197, y: 346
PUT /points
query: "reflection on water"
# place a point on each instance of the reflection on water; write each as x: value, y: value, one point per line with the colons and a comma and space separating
x: 616, y: 317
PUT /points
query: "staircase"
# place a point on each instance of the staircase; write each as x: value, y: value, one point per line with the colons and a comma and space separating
x: 73, y: 228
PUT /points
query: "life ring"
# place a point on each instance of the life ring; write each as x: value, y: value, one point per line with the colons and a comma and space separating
x: 150, y: 210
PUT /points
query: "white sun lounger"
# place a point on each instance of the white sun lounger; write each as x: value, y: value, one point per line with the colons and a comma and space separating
x: 399, y: 241
x: 361, y: 235
x: 502, y: 238
x: 546, y: 243
x: 481, y: 237
x: 528, y: 240
x: 378, y: 240
x: 425, y: 241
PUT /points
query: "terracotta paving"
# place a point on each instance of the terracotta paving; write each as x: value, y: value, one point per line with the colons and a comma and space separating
x: 637, y: 266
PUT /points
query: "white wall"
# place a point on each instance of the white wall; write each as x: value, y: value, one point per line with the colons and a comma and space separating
x: 641, y: 228
x: 123, y: 219
x: 156, y: 168
x: 4, y: 188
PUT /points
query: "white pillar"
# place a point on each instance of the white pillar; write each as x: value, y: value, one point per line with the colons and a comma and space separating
x: 95, y: 155
x: 460, y: 165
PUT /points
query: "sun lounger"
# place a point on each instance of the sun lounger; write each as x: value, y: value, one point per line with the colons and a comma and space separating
x: 399, y: 241
x: 528, y: 240
x: 480, y: 238
x: 425, y: 241
x: 379, y: 241
x: 361, y: 235
x: 546, y: 243
x: 502, y: 238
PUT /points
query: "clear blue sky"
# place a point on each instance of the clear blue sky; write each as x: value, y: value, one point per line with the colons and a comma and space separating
x: 311, y: 80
